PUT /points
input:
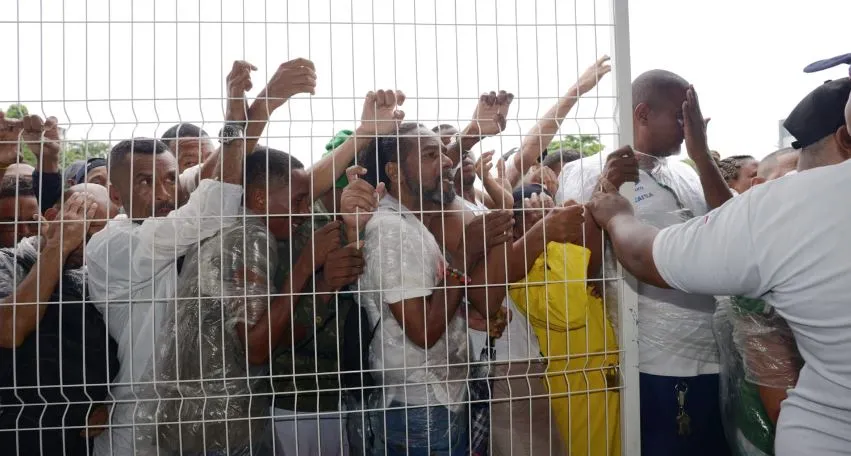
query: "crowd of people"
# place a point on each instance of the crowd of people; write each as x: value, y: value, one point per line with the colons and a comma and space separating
x: 205, y: 295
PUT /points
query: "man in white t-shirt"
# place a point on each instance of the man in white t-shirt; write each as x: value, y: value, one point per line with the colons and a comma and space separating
x: 412, y: 293
x: 784, y: 242
x: 414, y: 307
x: 678, y: 357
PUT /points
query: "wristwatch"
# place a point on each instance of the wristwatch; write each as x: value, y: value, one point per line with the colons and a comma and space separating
x: 230, y: 132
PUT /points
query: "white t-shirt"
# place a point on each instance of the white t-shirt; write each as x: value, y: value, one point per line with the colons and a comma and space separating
x: 786, y: 242
x: 477, y: 208
x: 675, y: 335
x: 403, y: 262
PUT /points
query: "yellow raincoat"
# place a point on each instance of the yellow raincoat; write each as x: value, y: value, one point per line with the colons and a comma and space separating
x: 580, y: 345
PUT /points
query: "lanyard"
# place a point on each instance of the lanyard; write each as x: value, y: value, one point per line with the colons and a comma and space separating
x: 681, y: 207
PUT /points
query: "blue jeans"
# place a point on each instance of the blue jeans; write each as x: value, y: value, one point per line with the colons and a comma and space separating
x: 419, y: 431
x: 659, y: 432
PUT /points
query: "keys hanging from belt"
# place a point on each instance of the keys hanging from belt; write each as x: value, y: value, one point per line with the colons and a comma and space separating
x: 683, y: 420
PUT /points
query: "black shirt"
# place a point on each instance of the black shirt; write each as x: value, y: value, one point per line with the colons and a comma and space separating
x: 59, y: 373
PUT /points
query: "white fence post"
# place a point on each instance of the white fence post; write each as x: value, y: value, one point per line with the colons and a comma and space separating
x: 628, y: 302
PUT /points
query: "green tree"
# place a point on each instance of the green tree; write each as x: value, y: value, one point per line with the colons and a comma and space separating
x: 587, y: 145
x: 83, y: 150
x: 71, y: 150
x: 18, y: 111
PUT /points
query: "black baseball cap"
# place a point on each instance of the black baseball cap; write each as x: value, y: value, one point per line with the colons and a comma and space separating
x: 819, y: 114
x: 91, y: 164
x: 822, y: 65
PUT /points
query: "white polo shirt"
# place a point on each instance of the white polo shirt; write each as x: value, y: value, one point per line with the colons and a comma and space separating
x: 786, y: 242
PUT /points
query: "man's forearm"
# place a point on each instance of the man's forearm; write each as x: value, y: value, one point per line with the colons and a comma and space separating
x: 466, y: 141
x: 324, y: 292
x: 48, y: 188
x: 540, y: 136
x: 258, y: 117
x: 489, y: 278
x: 525, y: 251
x: 501, y: 197
x: 440, y: 309
x: 266, y: 334
x: 21, y: 312
x: 47, y: 163
x: 633, y: 244
x: 327, y: 170
x: 715, y: 189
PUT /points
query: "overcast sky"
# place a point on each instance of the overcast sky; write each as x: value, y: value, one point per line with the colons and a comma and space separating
x: 99, y: 65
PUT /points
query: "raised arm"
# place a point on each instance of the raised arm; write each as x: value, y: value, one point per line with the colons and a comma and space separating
x: 42, y: 137
x: 488, y: 270
x: 540, y: 136
x: 10, y: 130
x: 488, y: 120
x: 358, y: 202
x: 238, y: 82
x: 715, y: 189
x: 496, y: 195
x: 381, y: 116
x: 23, y: 309
x: 291, y: 78
x: 211, y: 207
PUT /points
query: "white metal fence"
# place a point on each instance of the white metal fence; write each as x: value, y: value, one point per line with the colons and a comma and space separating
x: 114, y: 70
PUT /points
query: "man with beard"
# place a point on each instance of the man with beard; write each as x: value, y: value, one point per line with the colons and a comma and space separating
x: 50, y: 337
x: 415, y: 290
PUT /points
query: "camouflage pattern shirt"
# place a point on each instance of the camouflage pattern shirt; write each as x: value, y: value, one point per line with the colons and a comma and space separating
x: 306, y: 375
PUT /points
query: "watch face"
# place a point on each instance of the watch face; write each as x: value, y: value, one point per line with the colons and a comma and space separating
x: 229, y: 132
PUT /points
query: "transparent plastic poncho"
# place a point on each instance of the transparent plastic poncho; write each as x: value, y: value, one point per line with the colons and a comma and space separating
x: 402, y: 260
x: 665, y: 324
x: 756, y: 349
x: 207, y: 397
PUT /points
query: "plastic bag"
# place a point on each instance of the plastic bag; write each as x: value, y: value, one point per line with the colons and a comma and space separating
x: 748, y: 428
x: 403, y: 259
x: 766, y: 344
x: 207, y: 398
x: 579, y: 178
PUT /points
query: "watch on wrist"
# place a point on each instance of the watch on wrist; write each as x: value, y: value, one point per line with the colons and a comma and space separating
x: 230, y: 132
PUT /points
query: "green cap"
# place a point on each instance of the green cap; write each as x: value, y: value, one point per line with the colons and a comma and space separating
x: 336, y: 142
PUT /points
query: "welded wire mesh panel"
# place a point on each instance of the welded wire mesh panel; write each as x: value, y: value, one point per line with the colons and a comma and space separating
x: 304, y: 228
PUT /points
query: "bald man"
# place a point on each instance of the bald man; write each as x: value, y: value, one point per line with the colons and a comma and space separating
x: 776, y: 164
x: 35, y: 334
x: 677, y: 353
